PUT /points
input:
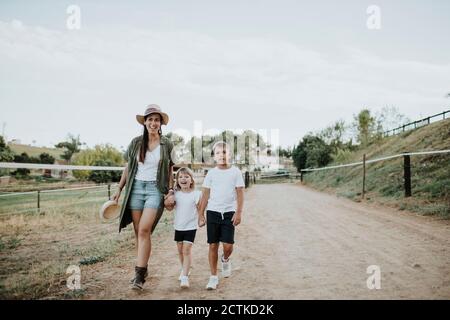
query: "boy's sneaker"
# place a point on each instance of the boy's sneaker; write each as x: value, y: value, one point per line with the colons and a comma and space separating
x: 184, y: 282
x: 212, y: 283
x: 226, y: 267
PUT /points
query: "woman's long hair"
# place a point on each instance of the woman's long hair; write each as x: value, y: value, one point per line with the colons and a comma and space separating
x: 144, y: 144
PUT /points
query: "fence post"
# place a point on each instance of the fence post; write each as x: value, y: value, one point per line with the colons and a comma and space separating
x: 39, y: 201
x: 364, y: 176
x: 301, y: 176
x: 407, y: 175
x: 109, y: 191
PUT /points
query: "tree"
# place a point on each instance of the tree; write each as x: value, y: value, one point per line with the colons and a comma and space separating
x: 46, y: 158
x: 100, y: 155
x: 365, y: 126
x: 6, y: 154
x: 389, y: 118
x: 334, y: 134
x: 23, y: 158
x: 311, y: 152
x: 287, y: 153
x: 103, y: 176
x: 72, y: 146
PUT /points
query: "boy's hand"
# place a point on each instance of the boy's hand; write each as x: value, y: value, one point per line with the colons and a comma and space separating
x: 236, y: 219
x: 201, y: 221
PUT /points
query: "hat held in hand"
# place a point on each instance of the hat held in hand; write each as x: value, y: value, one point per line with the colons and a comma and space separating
x: 110, y: 210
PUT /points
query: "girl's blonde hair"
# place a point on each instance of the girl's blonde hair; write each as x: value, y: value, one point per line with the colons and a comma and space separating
x: 188, y: 171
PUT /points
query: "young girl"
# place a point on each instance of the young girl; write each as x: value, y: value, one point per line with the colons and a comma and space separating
x: 186, y: 200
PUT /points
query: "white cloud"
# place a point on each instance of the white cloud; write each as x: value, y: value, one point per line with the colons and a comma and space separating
x: 95, y: 80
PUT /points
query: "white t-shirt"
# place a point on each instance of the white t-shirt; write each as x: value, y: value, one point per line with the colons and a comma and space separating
x: 222, y: 184
x: 186, y: 217
x: 148, y: 170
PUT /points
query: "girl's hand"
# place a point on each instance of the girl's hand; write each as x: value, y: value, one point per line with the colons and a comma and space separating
x: 169, y: 201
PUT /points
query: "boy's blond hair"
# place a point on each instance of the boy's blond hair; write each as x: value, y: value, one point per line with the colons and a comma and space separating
x: 187, y: 171
x: 222, y: 144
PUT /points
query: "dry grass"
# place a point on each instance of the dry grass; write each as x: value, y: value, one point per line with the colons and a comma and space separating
x: 36, y: 249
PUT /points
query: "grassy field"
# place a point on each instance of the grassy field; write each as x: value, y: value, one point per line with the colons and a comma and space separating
x: 37, y: 248
x: 384, y: 180
x: 36, y: 151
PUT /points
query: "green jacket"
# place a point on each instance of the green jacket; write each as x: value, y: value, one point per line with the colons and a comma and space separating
x: 162, y: 177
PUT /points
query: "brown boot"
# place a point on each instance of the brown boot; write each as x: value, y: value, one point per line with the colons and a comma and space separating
x: 145, y: 276
x: 139, y: 278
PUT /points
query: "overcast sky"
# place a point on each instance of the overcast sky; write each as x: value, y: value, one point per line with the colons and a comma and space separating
x: 288, y: 65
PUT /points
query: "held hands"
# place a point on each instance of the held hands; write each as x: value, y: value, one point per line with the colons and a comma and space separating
x: 169, y: 200
x: 236, y: 219
x: 201, y: 220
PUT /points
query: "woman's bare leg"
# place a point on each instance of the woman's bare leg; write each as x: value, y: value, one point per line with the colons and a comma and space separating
x: 144, y: 236
x: 136, y: 216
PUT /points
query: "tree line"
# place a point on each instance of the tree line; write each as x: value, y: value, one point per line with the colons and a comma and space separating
x: 336, y: 142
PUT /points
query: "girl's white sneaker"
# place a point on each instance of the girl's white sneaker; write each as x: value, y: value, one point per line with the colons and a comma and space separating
x: 184, y: 282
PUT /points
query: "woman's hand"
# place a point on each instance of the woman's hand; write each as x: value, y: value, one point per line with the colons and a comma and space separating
x: 116, y: 196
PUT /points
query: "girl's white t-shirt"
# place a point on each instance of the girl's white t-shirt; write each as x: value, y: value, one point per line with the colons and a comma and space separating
x: 186, y: 217
x: 222, y: 184
x: 148, y: 170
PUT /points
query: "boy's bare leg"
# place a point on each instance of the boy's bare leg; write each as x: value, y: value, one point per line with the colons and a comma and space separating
x: 227, y: 250
x: 213, y: 256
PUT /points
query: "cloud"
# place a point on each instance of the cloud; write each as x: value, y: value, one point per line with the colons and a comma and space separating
x: 108, y: 74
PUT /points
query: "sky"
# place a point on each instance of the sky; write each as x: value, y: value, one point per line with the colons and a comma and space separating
x: 291, y: 66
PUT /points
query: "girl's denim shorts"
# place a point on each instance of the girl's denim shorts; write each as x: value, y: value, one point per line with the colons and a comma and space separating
x: 144, y: 194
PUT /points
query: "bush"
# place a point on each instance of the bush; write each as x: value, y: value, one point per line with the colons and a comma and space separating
x: 100, y: 155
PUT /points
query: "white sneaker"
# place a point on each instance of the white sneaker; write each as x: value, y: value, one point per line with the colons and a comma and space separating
x: 226, y: 267
x: 184, y: 282
x: 212, y: 283
x: 181, y: 274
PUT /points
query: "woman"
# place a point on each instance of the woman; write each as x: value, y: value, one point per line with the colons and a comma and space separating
x: 147, y: 177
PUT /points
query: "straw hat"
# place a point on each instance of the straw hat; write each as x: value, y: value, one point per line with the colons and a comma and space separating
x: 153, y: 108
x: 110, y: 210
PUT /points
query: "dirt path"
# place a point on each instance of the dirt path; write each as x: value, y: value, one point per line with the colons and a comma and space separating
x: 297, y: 243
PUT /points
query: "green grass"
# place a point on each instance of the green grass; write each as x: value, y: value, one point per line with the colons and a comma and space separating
x: 430, y: 174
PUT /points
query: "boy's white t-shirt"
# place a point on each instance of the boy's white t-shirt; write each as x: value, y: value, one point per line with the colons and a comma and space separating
x: 186, y: 217
x: 222, y: 184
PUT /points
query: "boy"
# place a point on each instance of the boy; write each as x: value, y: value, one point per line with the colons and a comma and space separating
x: 223, y: 199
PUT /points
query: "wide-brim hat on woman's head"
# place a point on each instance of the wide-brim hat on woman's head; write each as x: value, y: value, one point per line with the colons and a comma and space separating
x: 153, y: 108
x: 110, y: 210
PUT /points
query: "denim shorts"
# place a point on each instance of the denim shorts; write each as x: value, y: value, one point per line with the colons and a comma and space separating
x: 144, y: 194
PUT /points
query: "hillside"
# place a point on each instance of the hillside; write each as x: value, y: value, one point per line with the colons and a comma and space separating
x: 35, y: 151
x: 430, y: 174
